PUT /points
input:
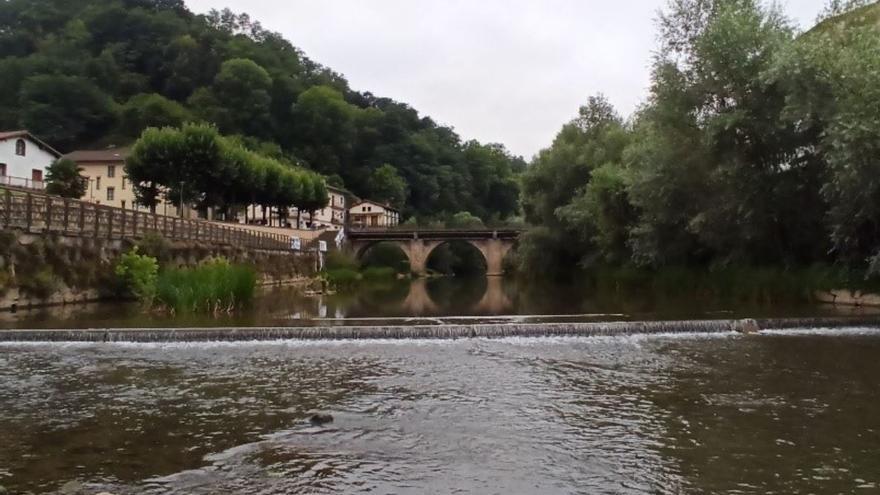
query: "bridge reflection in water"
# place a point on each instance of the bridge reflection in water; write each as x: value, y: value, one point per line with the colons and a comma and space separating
x: 484, y: 296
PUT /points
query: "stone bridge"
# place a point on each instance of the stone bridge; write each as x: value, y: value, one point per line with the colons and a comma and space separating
x: 417, y: 245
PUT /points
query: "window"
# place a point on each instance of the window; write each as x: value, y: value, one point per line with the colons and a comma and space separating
x: 98, y: 182
x: 123, y: 204
x: 123, y: 183
x: 111, y: 171
x: 111, y: 192
x: 2, y: 169
x: 37, y: 175
x: 20, y: 147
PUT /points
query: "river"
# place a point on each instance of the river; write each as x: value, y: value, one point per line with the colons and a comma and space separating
x: 791, y: 412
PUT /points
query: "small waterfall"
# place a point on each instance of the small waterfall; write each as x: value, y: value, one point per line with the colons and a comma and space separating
x: 450, y: 331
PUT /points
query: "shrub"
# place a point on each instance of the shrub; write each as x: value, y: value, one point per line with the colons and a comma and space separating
x: 340, y: 260
x: 139, y: 273
x: 342, y: 278
x: 379, y: 273
x: 153, y: 244
x: 41, y: 284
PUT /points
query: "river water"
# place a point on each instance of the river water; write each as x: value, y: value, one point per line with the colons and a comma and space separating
x: 788, y: 412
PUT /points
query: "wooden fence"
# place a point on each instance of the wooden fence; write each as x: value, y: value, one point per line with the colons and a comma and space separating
x: 36, y: 212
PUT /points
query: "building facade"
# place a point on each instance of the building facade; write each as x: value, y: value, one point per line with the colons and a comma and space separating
x: 24, y: 159
x: 331, y: 217
x: 107, y: 183
x: 368, y: 214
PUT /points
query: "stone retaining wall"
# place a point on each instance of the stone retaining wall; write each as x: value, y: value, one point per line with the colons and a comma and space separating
x: 42, y: 270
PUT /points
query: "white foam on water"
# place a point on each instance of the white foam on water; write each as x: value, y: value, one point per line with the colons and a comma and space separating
x: 824, y: 332
x: 293, y: 343
x: 634, y: 338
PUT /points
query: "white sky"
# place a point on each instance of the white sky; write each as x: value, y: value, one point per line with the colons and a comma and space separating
x: 508, y: 71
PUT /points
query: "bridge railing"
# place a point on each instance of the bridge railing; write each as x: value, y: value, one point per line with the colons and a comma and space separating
x: 411, y: 229
x: 35, y: 212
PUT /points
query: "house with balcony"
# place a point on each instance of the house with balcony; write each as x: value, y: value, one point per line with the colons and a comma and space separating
x: 24, y: 159
x: 370, y: 214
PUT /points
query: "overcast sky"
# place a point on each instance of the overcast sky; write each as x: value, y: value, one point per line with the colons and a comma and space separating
x: 507, y: 71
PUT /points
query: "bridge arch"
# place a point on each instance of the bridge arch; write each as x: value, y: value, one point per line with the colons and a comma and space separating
x: 457, y: 257
x: 493, y: 245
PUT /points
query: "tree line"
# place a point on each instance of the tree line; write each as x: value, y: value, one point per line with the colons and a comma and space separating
x: 757, y: 146
x: 196, y: 165
x: 97, y: 72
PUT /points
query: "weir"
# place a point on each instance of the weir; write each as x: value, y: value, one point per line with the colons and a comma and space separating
x: 458, y: 331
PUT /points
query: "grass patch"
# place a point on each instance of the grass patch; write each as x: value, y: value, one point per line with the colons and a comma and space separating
x: 215, y: 286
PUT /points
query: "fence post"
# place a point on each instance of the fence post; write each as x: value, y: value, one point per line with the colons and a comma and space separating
x: 48, y: 226
x: 29, y: 206
x: 122, y: 222
x: 82, y: 218
x: 97, y: 221
x: 109, y: 222
x: 66, y: 214
x: 8, y: 208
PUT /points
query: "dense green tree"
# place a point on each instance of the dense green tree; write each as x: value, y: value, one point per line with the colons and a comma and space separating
x: 64, y: 110
x: 150, y: 110
x: 386, y: 185
x: 756, y: 146
x: 238, y: 101
x: 64, y: 178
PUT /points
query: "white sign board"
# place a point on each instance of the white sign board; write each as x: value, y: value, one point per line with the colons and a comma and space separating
x: 295, y: 243
x: 322, y: 246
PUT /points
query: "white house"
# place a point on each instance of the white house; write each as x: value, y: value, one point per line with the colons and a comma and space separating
x: 372, y: 214
x: 23, y: 159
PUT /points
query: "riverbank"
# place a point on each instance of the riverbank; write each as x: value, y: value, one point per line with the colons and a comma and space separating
x: 438, y: 331
x: 38, y: 270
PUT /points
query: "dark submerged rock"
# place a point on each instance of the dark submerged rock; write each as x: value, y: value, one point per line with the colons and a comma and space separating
x: 320, y: 419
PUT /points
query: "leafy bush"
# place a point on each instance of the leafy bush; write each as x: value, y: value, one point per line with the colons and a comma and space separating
x: 139, y: 274
x: 342, y: 278
x: 340, y: 260
x: 212, y: 287
x: 153, y: 244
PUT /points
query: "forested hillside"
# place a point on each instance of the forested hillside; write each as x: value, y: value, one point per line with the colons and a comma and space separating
x: 91, y: 73
x: 757, y: 146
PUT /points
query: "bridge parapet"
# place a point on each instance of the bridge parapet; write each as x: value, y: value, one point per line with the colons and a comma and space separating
x: 418, y: 244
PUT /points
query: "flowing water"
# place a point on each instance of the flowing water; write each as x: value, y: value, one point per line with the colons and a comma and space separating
x: 793, y: 411
x: 788, y: 412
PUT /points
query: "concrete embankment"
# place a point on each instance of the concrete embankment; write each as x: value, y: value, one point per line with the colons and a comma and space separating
x: 233, y: 334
